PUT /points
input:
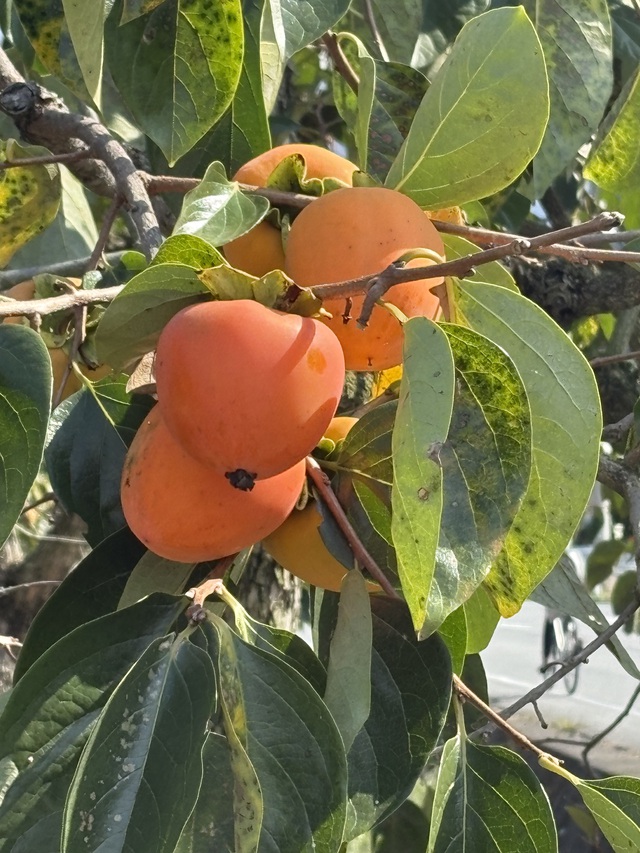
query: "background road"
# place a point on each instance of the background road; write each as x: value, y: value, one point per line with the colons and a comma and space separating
x: 511, y: 663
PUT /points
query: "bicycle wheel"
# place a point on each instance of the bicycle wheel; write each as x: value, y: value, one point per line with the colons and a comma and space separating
x: 568, y: 646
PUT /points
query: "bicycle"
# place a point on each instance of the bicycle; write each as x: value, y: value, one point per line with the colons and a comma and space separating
x: 561, y: 644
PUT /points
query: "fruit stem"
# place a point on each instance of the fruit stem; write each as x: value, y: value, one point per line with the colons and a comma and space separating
x: 321, y: 482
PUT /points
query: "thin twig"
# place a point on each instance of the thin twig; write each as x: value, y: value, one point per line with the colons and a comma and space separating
x: 603, y: 360
x: 376, y: 286
x: 467, y: 695
x: 538, y: 691
x: 619, y: 430
x: 210, y: 585
x: 17, y: 308
x: 362, y: 556
x: 45, y: 159
x: 375, y: 31
x: 6, y: 590
x: 575, y: 254
x: 105, y: 229
x: 74, y: 267
x: 340, y: 61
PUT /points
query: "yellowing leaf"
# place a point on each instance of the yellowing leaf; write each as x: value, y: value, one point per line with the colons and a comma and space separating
x: 29, y: 198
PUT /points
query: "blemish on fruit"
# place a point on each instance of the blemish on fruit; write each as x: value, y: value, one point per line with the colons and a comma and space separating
x: 316, y: 360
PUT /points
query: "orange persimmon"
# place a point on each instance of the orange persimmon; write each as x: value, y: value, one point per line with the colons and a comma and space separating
x: 355, y: 232
x: 186, y: 511
x: 245, y: 388
x: 260, y: 250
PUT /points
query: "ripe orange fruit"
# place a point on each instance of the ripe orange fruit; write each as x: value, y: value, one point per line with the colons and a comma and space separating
x: 24, y: 292
x: 359, y: 231
x: 298, y: 547
x: 185, y: 511
x: 339, y: 427
x: 320, y: 163
x: 447, y: 214
x: 260, y: 250
x: 245, y: 388
x: 297, y: 544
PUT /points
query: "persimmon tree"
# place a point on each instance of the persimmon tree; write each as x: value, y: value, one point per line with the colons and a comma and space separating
x: 150, y: 711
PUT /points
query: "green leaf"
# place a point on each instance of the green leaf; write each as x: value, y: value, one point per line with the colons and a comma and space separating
x: 46, y: 26
x: 563, y: 590
x: 462, y: 144
x: 134, y: 8
x: 218, y: 211
x: 441, y: 24
x: 29, y: 198
x: 577, y: 47
x: 25, y: 402
x: 488, y: 799
x: 348, y: 690
x: 132, y: 323
x: 288, y: 26
x: 177, y: 68
x: 566, y: 424
x: 399, y: 25
x: 90, y: 590
x: 615, y: 805
x: 601, y: 560
x: 421, y: 426
x: 85, y: 456
x: 139, y: 774
x: 72, y: 234
x: 411, y: 685
x: 211, y: 824
x: 486, y: 464
x: 243, y: 131
x: 154, y: 574
x: 482, y: 620
x: 491, y: 273
x: 279, y: 642
x: 614, y: 164
x: 304, y: 801
x: 187, y: 250
x: 52, y: 708
x: 84, y: 20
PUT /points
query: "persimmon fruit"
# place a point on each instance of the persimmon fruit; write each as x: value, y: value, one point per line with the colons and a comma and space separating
x: 297, y: 544
x: 298, y: 547
x: 24, y: 291
x: 260, y: 250
x: 339, y: 427
x: 245, y: 388
x: 355, y: 232
x: 186, y: 511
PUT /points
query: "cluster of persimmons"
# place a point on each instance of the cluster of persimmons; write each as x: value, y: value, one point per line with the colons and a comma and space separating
x: 246, y: 392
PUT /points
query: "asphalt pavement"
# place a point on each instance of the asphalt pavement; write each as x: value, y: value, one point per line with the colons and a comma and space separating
x: 512, y: 663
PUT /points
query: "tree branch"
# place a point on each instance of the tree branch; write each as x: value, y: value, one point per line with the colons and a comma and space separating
x: 16, y: 308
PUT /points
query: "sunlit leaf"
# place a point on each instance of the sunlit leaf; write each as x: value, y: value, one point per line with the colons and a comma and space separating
x: 132, y: 323
x: 29, y: 198
x: 177, y: 68
x: 85, y: 22
x: 566, y: 423
x: 348, y: 690
x: 217, y: 211
x: 421, y: 427
x: 614, y: 164
x: 462, y: 145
